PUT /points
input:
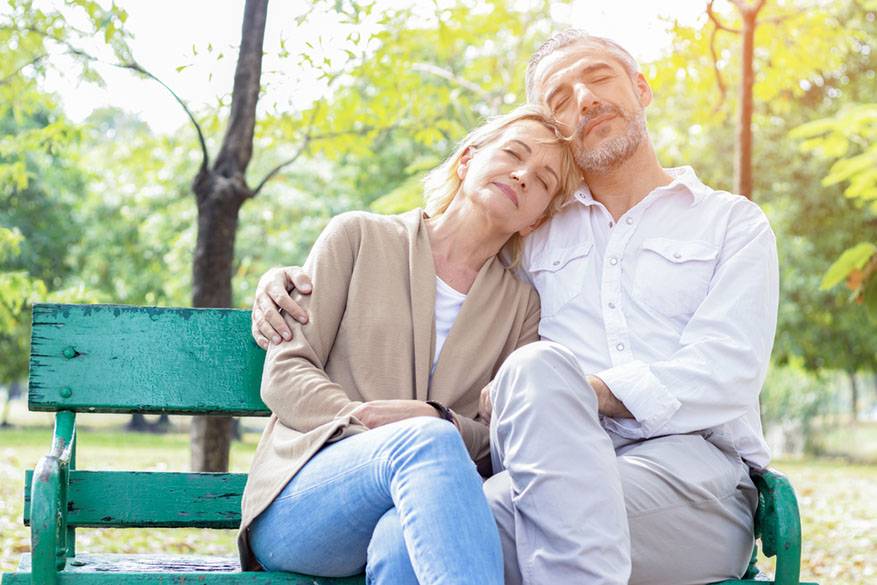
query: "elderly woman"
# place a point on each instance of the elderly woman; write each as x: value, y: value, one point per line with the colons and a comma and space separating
x: 367, y: 459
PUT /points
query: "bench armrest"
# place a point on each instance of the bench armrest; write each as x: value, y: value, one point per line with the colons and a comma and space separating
x: 48, y: 513
x: 778, y: 523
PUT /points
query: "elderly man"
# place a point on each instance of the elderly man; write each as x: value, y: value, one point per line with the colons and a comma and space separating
x: 621, y: 443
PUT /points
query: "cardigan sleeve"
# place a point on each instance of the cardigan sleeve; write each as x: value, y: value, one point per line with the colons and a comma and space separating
x: 295, y: 385
x: 476, y: 434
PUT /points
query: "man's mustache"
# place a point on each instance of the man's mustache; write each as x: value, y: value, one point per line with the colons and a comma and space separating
x: 597, y: 111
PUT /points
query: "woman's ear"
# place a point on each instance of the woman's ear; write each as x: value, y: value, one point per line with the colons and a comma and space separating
x: 463, y: 164
x: 532, y: 227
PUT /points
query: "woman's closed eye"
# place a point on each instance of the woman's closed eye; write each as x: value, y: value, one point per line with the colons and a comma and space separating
x: 513, y: 153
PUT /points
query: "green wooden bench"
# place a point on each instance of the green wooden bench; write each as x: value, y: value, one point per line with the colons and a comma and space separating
x: 110, y: 358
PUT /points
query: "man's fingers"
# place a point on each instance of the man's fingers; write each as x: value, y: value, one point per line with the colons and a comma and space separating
x: 299, y: 279
x: 261, y: 340
x: 270, y: 322
x: 279, y: 295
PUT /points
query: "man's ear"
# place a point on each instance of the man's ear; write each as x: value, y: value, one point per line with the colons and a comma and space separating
x: 644, y: 92
x: 532, y: 227
x: 463, y: 165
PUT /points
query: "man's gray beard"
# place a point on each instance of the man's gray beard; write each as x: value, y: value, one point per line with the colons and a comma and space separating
x: 612, y: 153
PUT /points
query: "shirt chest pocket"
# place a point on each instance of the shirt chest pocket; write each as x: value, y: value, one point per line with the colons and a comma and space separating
x: 673, y: 276
x: 559, y: 275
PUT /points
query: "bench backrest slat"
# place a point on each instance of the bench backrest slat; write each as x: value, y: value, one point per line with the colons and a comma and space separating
x: 128, y: 499
x: 113, y: 358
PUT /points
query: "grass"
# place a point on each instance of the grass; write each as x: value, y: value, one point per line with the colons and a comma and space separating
x: 838, y: 502
x: 107, y: 449
x: 854, y: 442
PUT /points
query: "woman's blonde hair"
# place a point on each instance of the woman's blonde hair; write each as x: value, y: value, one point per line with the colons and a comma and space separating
x: 441, y: 184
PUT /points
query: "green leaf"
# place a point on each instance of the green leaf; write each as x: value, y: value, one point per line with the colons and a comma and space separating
x: 852, y: 258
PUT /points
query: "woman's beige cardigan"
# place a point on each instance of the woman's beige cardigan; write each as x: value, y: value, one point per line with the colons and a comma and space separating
x: 371, y: 336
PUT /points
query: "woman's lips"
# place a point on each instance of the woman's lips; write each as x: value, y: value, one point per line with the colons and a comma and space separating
x: 509, y: 192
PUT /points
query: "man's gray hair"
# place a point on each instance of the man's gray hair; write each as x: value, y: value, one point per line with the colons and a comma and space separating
x: 580, y: 37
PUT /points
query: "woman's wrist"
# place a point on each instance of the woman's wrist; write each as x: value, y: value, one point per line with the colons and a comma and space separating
x: 444, y: 412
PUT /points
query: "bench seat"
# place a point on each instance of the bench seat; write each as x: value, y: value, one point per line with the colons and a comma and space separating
x: 165, y: 570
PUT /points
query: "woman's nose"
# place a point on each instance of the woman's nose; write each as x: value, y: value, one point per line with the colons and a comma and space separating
x: 520, y: 176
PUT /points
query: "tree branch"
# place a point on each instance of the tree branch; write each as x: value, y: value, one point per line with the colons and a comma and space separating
x: 298, y: 153
x: 723, y: 92
x: 713, y: 17
x: 134, y: 67
x: 34, y: 61
x: 453, y: 77
x: 281, y: 166
x: 314, y: 138
x: 745, y: 7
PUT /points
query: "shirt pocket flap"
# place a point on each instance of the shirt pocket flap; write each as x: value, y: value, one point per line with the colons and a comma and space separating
x: 554, y: 260
x: 677, y: 251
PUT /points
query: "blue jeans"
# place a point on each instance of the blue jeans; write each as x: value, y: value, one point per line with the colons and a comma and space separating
x: 402, y: 501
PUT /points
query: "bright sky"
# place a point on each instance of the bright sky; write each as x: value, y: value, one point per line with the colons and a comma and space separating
x: 166, y: 32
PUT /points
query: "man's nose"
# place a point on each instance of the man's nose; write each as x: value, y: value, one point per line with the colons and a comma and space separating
x: 585, y: 98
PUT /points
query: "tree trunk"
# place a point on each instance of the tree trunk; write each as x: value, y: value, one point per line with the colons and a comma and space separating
x: 137, y: 424
x: 854, y: 396
x: 220, y: 191
x: 743, y: 161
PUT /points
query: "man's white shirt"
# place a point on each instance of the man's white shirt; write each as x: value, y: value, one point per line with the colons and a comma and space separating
x: 673, y: 307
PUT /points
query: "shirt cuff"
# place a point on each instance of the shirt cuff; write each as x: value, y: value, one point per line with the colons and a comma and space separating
x: 647, y: 399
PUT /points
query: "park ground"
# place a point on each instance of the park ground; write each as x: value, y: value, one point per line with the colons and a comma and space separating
x: 838, y: 498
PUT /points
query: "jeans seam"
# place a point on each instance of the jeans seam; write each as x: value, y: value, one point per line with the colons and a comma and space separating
x: 326, y: 481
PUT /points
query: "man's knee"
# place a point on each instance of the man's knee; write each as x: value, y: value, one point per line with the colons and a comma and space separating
x: 534, y: 368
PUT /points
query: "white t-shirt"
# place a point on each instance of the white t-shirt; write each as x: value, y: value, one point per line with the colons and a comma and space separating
x: 447, y: 306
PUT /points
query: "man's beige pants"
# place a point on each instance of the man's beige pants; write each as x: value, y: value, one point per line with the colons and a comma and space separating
x: 578, y: 505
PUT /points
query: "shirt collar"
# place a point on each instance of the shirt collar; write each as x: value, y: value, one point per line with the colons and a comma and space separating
x: 684, y: 182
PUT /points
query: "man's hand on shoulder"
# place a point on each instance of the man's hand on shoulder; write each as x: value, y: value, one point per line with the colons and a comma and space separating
x: 272, y: 295
x: 607, y: 403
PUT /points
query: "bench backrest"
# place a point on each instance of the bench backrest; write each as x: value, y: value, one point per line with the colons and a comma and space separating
x: 126, y: 359
x: 113, y: 358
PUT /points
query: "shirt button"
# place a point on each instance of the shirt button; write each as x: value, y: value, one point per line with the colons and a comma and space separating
x: 556, y: 262
x: 677, y: 255
x: 613, y: 261
x: 611, y: 305
x: 620, y: 347
x: 611, y: 224
x: 629, y: 220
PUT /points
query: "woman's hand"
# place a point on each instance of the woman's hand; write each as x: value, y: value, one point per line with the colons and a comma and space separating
x: 272, y: 294
x: 382, y: 412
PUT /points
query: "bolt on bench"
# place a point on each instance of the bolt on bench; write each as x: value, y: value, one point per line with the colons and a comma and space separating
x: 123, y: 359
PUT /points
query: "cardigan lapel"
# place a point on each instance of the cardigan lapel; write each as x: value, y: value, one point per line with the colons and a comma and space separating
x: 421, y: 272
x: 464, y: 352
